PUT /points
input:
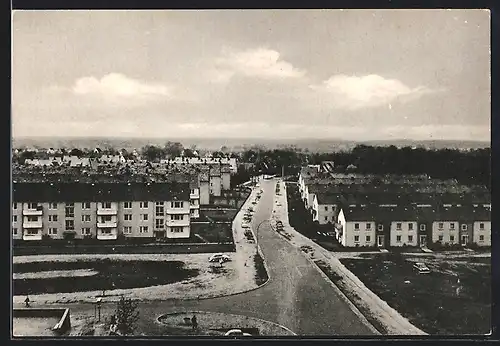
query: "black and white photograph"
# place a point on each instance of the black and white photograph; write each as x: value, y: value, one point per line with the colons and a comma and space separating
x: 251, y: 174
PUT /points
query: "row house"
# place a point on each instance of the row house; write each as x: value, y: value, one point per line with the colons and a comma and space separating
x: 100, y: 210
x: 391, y: 225
x: 231, y: 162
x: 306, y: 172
x: 325, y: 208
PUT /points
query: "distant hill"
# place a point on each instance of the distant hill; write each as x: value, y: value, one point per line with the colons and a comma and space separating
x: 312, y: 145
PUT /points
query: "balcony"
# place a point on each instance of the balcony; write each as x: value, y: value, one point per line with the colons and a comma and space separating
x: 113, y: 235
x: 195, y: 195
x: 32, y: 224
x: 36, y: 236
x: 194, y: 206
x: 174, y: 223
x: 184, y: 210
x: 112, y: 211
x: 33, y: 212
x: 107, y: 224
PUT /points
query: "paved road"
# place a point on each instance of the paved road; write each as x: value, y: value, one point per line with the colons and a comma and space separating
x: 297, y: 296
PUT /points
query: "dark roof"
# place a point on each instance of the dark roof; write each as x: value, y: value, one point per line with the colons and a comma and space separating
x: 99, y: 192
x: 327, y: 198
x: 462, y: 214
x: 380, y: 214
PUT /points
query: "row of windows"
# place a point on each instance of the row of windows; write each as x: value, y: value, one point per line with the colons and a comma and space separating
x: 399, y: 226
x: 104, y: 205
x: 87, y: 230
x: 104, y: 218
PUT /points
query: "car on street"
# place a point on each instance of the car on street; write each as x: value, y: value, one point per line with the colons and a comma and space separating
x: 219, y: 257
x: 421, y: 268
x: 236, y: 332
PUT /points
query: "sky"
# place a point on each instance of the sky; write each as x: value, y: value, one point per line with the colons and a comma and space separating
x: 328, y: 74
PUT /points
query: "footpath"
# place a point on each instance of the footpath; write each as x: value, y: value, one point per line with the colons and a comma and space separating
x: 383, y: 317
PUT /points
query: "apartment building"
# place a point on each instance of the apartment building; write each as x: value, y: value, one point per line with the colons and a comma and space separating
x: 100, y: 210
x: 325, y: 208
x: 356, y: 227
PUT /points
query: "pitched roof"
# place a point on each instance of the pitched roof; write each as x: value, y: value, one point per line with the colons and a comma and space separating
x: 328, y: 198
x: 99, y: 192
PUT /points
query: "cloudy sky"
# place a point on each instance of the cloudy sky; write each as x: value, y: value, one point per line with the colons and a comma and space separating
x: 352, y: 74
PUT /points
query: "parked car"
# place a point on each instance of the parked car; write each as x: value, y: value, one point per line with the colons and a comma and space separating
x: 218, y: 256
x: 236, y: 332
x: 421, y: 268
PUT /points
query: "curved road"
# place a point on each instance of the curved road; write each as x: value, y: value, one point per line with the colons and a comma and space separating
x: 296, y: 296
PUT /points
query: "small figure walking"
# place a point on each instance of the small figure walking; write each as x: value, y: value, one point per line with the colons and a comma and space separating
x: 194, y: 322
x: 27, y: 301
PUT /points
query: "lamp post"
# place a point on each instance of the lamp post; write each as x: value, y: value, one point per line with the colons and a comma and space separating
x: 98, y: 304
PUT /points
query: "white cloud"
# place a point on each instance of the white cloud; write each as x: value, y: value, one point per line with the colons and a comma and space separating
x: 118, y: 85
x: 261, y: 62
x: 352, y: 92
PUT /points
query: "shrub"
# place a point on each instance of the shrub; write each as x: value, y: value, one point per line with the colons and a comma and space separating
x: 126, y: 315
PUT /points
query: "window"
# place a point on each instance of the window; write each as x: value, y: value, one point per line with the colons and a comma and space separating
x: 14, y: 205
x: 177, y: 229
x: 143, y: 205
x: 410, y: 239
x: 106, y: 218
x: 85, y: 205
x: 398, y: 239
x: 105, y: 231
x: 481, y: 226
x: 106, y: 205
x: 410, y: 226
x: 143, y: 229
x: 32, y: 205
x: 127, y: 230
x: 356, y: 226
x: 127, y: 205
x: 32, y: 218
x: 176, y: 217
x: 127, y: 217
x: 52, y: 206
x: 85, y: 218
x: 422, y: 227
x: 159, y: 223
x: 192, y: 191
x: 368, y: 238
x: 86, y: 231
x: 368, y: 226
x: 398, y: 226
x: 176, y: 204
x: 326, y: 208
x: 70, y: 210
x: 14, y: 218
x: 144, y: 217
x: 481, y: 238
x: 380, y: 227
x: 440, y: 225
x: 53, y: 218
x: 356, y: 238
x: 160, y: 210
x: 440, y: 238
x: 70, y: 225
x: 193, y: 202
x: 159, y: 203
x: 452, y: 238
x: 52, y: 231
x: 464, y: 227
x: 14, y: 230
x: 452, y: 225
x: 326, y: 218
x: 31, y: 231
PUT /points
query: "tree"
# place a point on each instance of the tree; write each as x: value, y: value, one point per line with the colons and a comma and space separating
x: 188, y: 152
x: 76, y: 152
x: 126, y: 315
x: 152, y: 153
x: 173, y: 149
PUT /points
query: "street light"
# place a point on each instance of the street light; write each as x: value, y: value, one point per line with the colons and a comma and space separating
x: 98, y: 306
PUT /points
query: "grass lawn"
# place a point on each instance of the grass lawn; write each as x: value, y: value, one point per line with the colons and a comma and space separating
x: 218, y: 215
x: 437, y: 302
x: 111, y: 274
x: 217, y: 233
x: 261, y: 273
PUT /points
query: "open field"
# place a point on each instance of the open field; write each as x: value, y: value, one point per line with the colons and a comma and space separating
x: 213, y: 233
x: 454, y: 299
x: 109, y: 274
x: 31, y: 326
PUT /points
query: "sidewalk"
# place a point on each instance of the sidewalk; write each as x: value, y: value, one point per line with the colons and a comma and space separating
x: 368, y: 302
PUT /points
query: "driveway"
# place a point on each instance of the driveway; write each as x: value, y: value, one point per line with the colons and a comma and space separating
x: 296, y: 296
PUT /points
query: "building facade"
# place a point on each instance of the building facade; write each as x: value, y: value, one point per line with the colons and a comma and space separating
x: 101, y: 210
